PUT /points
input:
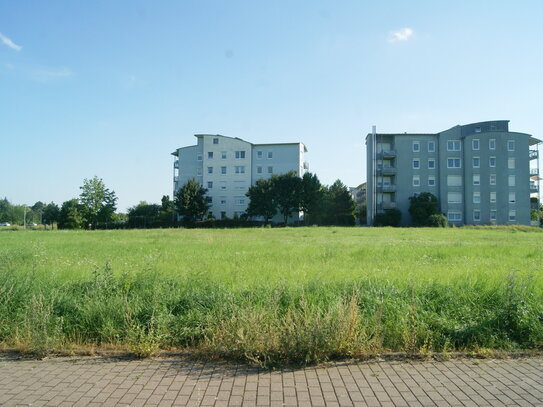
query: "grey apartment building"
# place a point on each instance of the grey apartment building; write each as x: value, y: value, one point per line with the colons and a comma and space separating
x: 228, y: 166
x: 481, y: 172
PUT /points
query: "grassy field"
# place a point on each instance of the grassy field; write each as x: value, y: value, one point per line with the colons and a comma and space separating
x: 273, y: 296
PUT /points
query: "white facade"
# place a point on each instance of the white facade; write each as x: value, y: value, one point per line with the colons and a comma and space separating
x: 228, y: 166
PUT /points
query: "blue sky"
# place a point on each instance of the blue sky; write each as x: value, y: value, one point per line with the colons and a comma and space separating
x: 111, y: 88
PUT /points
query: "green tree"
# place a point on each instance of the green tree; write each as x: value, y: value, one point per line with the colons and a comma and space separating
x: 340, y: 205
x: 143, y: 215
x: 390, y: 217
x: 190, y: 202
x: 287, y: 193
x: 166, y: 215
x: 71, y: 215
x: 421, y: 207
x: 312, y: 196
x: 5, y: 208
x: 99, y: 202
x: 50, y: 214
x: 261, y: 200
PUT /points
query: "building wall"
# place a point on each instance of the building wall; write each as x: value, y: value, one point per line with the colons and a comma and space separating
x: 228, y: 166
x: 466, y: 191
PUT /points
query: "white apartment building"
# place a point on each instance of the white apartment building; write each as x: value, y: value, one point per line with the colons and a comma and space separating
x: 228, y: 166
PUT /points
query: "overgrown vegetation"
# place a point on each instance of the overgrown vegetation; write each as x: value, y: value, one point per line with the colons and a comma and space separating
x: 273, y: 296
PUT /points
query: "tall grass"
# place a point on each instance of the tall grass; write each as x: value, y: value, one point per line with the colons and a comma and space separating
x: 273, y: 296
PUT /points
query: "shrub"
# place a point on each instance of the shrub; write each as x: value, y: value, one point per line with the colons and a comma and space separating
x: 390, y: 217
x: 438, y: 221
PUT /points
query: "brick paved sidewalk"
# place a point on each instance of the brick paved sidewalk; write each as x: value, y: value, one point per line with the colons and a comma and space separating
x: 97, y: 381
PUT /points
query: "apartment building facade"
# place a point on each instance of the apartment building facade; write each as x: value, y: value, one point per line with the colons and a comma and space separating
x: 228, y: 166
x: 481, y: 172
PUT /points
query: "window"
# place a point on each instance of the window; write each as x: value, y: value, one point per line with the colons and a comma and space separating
x: 209, y: 184
x: 492, y: 179
x: 223, y: 170
x: 476, y: 162
x: 492, y: 162
x: 215, y: 141
x: 511, y: 163
x: 454, y: 180
x: 223, y: 185
x: 454, y: 197
x: 209, y: 199
x: 454, y: 216
x: 210, y: 154
x: 493, y: 215
x: 240, y: 154
x: 453, y: 145
x: 270, y: 154
x: 431, y: 147
x: 477, y: 129
x: 431, y: 164
x: 476, y: 197
x: 223, y: 214
x: 199, y: 171
x: 476, y: 179
x: 199, y: 157
x: 475, y: 144
x: 431, y: 181
x: 510, y: 145
x: 239, y: 185
x: 259, y: 154
x: 493, y: 127
x: 223, y: 155
x: 416, y: 163
x: 476, y: 215
x: 512, y: 215
x: 240, y: 169
x: 416, y: 180
x: 223, y: 200
x: 493, y: 197
x: 512, y: 198
x: 239, y: 200
x: 453, y: 163
x: 259, y: 170
x: 511, y: 180
x: 270, y: 170
x: 492, y: 144
x: 210, y: 170
x: 416, y: 146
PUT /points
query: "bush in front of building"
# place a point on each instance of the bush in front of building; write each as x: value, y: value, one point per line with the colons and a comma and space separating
x: 438, y: 221
x: 390, y: 217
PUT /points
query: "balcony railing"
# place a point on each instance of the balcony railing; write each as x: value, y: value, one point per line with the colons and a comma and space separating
x: 175, y: 178
x: 388, y: 188
x: 534, y: 171
x: 306, y: 165
x: 387, y: 154
x: 388, y: 205
x: 534, y: 188
x: 176, y: 164
x: 534, y: 154
x: 387, y: 170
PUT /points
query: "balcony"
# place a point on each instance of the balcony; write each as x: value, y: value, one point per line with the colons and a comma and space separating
x: 534, y: 171
x: 175, y: 178
x: 388, y: 205
x: 533, y: 187
x: 387, y: 170
x: 534, y: 154
x: 306, y: 165
x: 387, y: 154
x: 388, y: 188
x: 176, y: 164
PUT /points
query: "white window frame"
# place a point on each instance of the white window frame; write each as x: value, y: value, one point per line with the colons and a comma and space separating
x: 199, y: 157
x: 259, y: 170
x: 455, y: 177
x: 223, y: 171
x: 493, y: 215
x: 433, y: 179
x: 239, y: 169
x: 492, y: 179
x: 492, y: 196
x: 450, y: 201
x: 223, y: 155
x: 511, y: 163
x: 475, y: 144
x: 433, y: 166
x: 454, y: 216
x: 477, y: 129
x: 416, y: 180
x: 270, y: 169
x: 259, y: 154
x: 476, y: 179
x: 478, y: 164
x: 510, y: 145
x: 240, y: 155
x: 511, y: 180
x: 492, y: 162
x: 215, y: 141
x: 210, y: 170
x: 512, y: 197
x: 223, y: 185
x: 476, y: 197
x: 433, y: 149
x: 270, y: 155
x: 454, y: 145
x: 210, y: 155
x: 454, y: 162
x: 416, y: 163
x: 476, y: 215
x: 199, y: 171
x: 512, y: 215
x: 209, y: 184
x: 492, y: 144
x: 416, y: 146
